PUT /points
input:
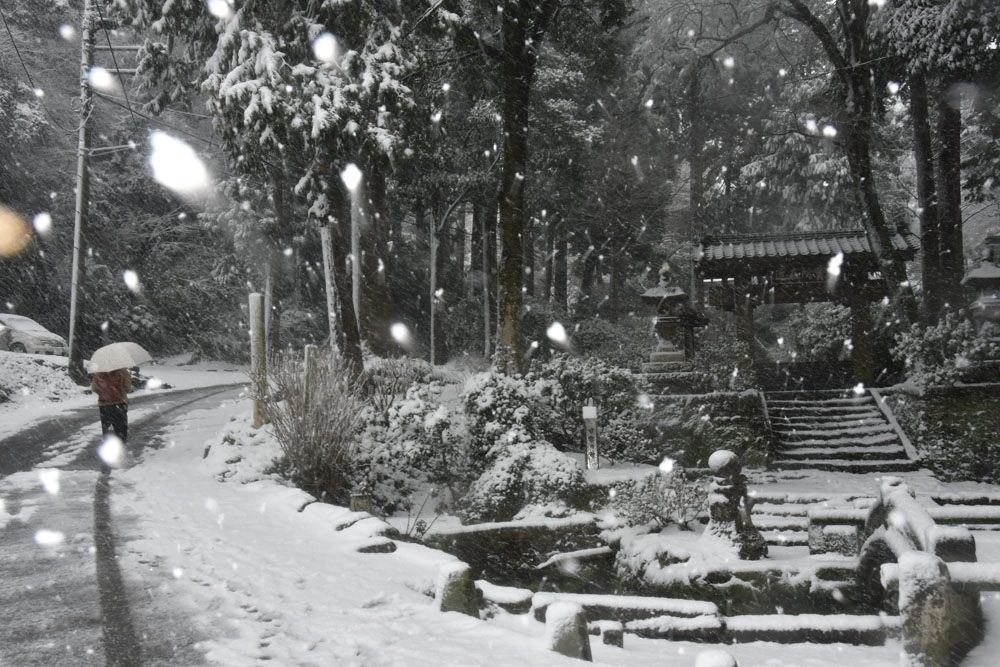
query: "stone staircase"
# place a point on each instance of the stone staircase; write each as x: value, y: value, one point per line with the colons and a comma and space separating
x: 836, y: 430
x: 783, y: 518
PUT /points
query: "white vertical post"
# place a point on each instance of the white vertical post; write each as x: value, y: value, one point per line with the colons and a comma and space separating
x: 590, y: 434
x: 331, y: 295
x: 258, y: 356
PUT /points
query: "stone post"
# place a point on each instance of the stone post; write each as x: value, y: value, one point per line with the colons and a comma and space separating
x: 456, y: 591
x: 939, y: 623
x: 566, y: 630
x: 729, y: 506
x: 258, y: 357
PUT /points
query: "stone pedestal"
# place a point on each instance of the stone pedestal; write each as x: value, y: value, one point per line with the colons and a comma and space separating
x: 729, y: 507
x: 669, y: 368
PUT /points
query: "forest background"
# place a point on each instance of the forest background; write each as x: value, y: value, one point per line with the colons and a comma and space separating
x: 523, y: 163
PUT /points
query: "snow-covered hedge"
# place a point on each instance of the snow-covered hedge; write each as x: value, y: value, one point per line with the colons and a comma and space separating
x: 526, y: 473
x: 615, y: 391
x: 945, y: 353
x: 953, y: 428
x: 690, y: 428
x: 414, y: 439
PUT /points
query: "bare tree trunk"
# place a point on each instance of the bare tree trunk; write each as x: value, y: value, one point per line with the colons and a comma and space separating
x: 528, y: 237
x: 350, y: 343
x: 550, y: 260
x: 949, y: 183
x: 926, y: 198
x: 614, y: 294
x: 560, y: 269
x: 516, y: 75
x: 696, y: 161
x: 377, y: 298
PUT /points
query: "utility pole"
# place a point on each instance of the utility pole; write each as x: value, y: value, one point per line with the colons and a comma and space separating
x: 75, y: 365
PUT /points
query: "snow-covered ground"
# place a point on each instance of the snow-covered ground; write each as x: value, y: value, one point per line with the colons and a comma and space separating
x: 39, y: 387
x: 263, y: 581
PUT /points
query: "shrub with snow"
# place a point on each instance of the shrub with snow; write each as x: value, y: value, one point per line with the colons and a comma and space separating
x: 615, y: 391
x: 525, y: 472
x: 315, y: 420
x: 415, y: 439
x: 659, y: 499
x: 499, y: 404
x: 690, y: 428
x: 723, y: 360
x: 943, y: 353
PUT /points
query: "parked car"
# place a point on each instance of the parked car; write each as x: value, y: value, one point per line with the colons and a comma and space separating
x: 22, y: 334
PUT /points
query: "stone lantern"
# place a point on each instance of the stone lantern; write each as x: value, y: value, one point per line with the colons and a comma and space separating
x: 985, y: 280
x: 669, y: 364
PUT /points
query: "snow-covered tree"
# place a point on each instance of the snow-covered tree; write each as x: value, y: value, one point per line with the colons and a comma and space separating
x: 298, y: 90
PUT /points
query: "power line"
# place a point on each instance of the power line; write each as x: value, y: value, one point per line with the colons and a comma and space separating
x: 118, y: 69
x: 154, y: 119
x: 28, y: 74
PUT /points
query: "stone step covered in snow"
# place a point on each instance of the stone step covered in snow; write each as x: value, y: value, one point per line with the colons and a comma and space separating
x: 624, y: 608
x: 866, y: 453
x: 968, y: 498
x: 866, y: 418
x: 785, y: 538
x: 869, y: 630
x: 835, y: 431
x: 831, y: 431
x: 779, y: 523
x: 841, y: 465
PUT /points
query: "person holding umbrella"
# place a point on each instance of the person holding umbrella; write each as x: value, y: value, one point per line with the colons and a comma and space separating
x: 112, y: 383
x: 112, y: 390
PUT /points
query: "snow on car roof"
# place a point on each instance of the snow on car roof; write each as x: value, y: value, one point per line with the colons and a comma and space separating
x: 21, y: 322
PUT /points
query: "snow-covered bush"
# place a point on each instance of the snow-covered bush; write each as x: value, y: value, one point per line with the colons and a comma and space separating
x: 385, y: 380
x: 954, y: 430
x: 415, y: 439
x: 660, y: 499
x: 723, y: 360
x: 626, y: 343
x: 315, y: 420
x: 943, y: 353
x: 526, y: 472
x: 690, y: 428
x: 500, y: 406
x: 615, y: 391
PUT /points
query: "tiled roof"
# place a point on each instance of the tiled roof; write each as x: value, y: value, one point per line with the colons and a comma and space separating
x: 752, y: 246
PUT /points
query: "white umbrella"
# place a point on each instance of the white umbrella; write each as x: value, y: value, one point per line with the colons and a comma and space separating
x: 117, y: 355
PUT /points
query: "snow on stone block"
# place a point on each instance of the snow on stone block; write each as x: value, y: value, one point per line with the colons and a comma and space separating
x: 566, y: 630
x: 816, y: 628
x: 456, y: 590
x: 939, y: 623
x: 837, y: 539
x: 714, y: 657
x: 723, y: 462
x: 510, y: 599
x: 975, y: 576
x: 623, y: 607
x: 612, y: 633
x: 700, y: 628
x: 951, y: 543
